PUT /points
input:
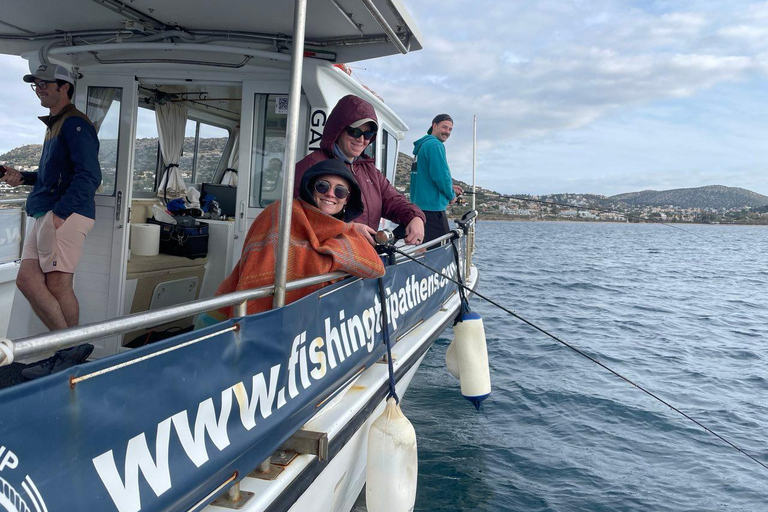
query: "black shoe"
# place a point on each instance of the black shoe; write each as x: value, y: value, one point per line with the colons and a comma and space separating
x: 60, y: 361
x: 41, y: 369
x: 69, y: 357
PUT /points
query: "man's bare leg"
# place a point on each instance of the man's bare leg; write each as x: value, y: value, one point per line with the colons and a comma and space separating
x: 61, y: 286
x: 32, y: 283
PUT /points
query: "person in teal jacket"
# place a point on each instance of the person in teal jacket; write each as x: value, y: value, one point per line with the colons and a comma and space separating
x: 432, y: 187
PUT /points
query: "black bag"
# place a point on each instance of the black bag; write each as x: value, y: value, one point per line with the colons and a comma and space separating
x: 190, y: 241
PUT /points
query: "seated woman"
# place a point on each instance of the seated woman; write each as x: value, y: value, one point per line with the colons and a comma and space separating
x: 323, y: 240
x: 350, y: 128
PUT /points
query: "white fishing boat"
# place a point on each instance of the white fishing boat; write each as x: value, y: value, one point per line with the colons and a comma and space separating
x: 261, y: 413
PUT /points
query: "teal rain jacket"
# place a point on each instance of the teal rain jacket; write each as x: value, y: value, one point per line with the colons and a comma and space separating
x: 431, y: 184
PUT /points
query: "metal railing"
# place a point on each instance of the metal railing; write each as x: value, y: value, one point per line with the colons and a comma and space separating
x: 40, y: 344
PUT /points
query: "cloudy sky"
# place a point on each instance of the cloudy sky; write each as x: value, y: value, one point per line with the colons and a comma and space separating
x: 598, y: 96
x: 601, y: 96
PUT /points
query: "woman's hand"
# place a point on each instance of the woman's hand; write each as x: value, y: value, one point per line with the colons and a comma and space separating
x: 414, y: 232
x: 366, y: 231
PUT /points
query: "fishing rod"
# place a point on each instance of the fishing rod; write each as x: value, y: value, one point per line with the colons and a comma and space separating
x: 392, y: 248
x: 597, y: 209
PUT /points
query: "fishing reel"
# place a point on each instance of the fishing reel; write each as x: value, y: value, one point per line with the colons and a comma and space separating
x: 385, y: 238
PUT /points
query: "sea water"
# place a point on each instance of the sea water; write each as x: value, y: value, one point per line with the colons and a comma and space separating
x: 681, y: 311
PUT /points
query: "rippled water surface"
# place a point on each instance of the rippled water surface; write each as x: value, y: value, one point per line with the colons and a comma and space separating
x: 680, y: 312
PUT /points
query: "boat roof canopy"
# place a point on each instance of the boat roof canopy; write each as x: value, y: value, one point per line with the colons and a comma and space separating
x: 336, y: 30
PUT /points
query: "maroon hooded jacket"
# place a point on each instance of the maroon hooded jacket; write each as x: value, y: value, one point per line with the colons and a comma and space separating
x: 380, y: 198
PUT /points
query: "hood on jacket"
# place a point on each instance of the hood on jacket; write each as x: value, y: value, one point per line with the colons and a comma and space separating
x: 335, y: 167
x: 347, y: 111
x: 425, y: 141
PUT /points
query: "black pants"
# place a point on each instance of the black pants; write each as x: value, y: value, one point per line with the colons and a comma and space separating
x: 436, y: 225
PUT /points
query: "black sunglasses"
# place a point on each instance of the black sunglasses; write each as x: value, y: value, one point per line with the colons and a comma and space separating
x: 357, y: 132
x: 340, y: 191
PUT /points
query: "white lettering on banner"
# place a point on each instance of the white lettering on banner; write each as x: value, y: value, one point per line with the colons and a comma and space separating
x: 194, y: 445
x: 137, y: 459
x: 259, y: 395
x: 8, y: 459
x: 12, y: 235
x: 305, y: 363
x: 317, y: 356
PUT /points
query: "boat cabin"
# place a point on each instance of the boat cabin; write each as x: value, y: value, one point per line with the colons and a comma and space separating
x: 162, y: 90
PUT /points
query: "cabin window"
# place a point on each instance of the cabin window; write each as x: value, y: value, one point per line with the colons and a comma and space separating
x: 388, y: 154
x: 204, y: 145
x: 370, y: 149
x: 270, y: 121
x: 200, y: 156
x: 104, y: 112
x: 146, y: 155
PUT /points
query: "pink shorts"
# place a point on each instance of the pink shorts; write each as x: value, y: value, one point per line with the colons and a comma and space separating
x: 58, y: 250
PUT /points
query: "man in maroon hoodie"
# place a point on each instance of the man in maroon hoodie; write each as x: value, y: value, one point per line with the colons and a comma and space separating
x: 350, y: 127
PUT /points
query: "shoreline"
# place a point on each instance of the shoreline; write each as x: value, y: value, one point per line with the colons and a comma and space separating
x: 501, y: 218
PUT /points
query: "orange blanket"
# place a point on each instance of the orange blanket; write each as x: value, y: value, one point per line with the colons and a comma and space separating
x: 319, y: 244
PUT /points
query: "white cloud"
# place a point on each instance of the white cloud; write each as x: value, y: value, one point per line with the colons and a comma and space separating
x: 560, y: 84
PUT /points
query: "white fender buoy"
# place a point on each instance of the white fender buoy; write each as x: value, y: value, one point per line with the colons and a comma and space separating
x: 469, y: 337
x: 393, y: 462
x: 452, y: 360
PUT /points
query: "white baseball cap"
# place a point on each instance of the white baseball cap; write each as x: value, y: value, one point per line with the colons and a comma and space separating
x: 361, y: 122
x: 50, y: 72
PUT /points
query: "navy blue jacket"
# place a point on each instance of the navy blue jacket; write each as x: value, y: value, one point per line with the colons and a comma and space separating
x: 69, y: 171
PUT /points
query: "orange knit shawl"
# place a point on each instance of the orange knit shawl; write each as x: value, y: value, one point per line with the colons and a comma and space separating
x: 319, y: 244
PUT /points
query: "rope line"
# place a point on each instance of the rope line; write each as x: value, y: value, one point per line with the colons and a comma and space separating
x: 387, y: 341
x: 597, y: 362
x: 141, y: 359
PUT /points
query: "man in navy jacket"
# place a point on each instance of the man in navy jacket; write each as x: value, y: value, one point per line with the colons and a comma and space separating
x: 62, y: 204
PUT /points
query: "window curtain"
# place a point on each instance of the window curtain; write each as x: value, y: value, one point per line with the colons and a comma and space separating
x: 171, y: 121
x: 99, y: 101
x: 230, y: 175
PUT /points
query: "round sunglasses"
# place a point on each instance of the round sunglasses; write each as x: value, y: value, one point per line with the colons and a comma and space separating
x: 340, y: 191
x: 357, y: 132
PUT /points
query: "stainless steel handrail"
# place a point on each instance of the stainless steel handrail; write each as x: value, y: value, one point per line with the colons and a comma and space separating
x: 34, y: 345
x: 13, y: 201
x: 39, y: 344
x: 291, y: 148
x: 411, y: 249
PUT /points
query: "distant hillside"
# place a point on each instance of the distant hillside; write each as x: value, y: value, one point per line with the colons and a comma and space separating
x: 145, y: 156
x: 23, y: 156
x: 713, y: 196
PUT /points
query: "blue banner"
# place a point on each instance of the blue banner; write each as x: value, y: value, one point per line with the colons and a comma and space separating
x: 161, y: 427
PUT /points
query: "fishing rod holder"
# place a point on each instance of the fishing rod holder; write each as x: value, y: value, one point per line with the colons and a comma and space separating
x: 467, y: 220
